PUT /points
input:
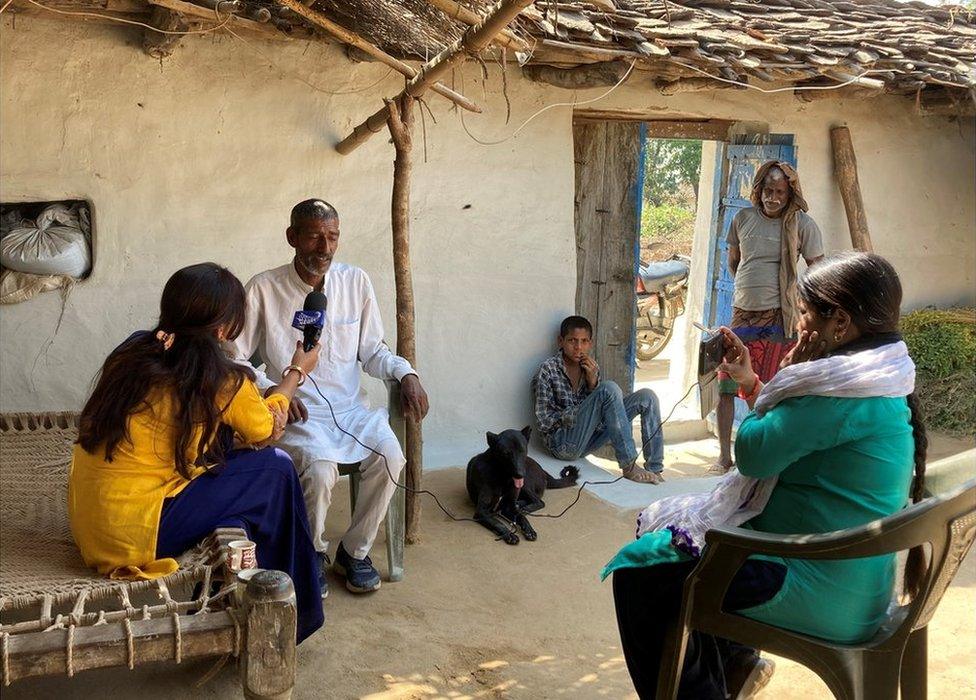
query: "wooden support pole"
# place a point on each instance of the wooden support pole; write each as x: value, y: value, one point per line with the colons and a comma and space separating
x: 160, y: 45
x: 401, y: 116
x: 456, y: 10
x: 845, y: 170
x: 473, y: 40
x: 268, y: 663
x: 348, y: 37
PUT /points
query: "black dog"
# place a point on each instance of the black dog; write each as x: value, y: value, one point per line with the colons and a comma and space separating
x: 505, y: 480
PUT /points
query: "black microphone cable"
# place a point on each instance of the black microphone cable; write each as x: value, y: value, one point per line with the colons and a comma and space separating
x: 448, y: 513
x: 386, y: 463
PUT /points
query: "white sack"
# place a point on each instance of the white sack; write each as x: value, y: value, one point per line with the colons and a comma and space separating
x: 56, y: 245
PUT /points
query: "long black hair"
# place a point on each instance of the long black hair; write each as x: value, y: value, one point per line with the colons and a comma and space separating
x: 197, y: 301
x: 867, y: 287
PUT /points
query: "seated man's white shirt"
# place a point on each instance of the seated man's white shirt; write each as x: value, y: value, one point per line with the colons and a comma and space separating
x: 353, y: 335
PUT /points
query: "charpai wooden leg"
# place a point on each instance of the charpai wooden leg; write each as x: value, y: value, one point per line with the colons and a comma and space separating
x: 271, y: 622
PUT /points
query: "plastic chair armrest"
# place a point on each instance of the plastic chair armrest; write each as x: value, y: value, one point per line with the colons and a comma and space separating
x: 395, y: 408
x: 839, y: 544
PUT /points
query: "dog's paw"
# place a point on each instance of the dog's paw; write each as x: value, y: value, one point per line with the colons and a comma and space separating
x: 570, y: 471
x: 527, y: 530
x: 511, y: 538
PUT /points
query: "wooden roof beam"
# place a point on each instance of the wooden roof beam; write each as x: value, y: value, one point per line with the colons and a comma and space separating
x: 473, y: 40
x: 189, y: 9
x: 594, y: 75
x: 946, y: 103
x: 457, y: 11
x: 673, y: 87
x: 348, y: 37
x: 850, y: 92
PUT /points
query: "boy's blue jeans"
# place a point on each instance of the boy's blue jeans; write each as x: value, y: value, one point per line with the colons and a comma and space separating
x: 605, y: 416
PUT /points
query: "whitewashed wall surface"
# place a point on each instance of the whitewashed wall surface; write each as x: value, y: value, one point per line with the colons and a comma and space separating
x: 201, y: 158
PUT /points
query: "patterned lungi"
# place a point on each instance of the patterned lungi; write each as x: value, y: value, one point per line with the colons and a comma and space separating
x: 762, y: 332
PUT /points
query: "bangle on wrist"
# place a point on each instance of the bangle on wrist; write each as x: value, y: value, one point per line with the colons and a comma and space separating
x: 294, y: 368
x: 755, y: 389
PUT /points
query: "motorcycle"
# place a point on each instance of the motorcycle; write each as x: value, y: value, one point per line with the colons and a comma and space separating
x: 662, y: 288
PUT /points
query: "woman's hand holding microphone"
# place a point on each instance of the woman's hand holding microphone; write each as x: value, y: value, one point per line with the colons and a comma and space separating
x: 302, y: 363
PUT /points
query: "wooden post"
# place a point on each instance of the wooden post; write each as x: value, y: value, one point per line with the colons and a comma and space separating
x: 268, y: 663
x: 845, y: 170
x: 400, y: 123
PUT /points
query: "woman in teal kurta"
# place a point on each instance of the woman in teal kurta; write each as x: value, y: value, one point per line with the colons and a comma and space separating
x: 840, y: 462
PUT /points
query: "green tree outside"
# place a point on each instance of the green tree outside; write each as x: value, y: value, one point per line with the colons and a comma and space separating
x: 670, y: 197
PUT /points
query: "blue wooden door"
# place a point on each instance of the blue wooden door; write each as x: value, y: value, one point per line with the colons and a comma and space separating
x: 742, y: 161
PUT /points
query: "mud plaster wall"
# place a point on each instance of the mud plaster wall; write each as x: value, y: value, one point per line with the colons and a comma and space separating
x: 202, y: 156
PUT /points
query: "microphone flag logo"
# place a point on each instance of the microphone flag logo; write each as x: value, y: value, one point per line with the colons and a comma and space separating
x: 308, y: 318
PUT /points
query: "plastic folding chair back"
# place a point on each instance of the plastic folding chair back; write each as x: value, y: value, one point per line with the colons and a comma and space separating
x: 874, y: 670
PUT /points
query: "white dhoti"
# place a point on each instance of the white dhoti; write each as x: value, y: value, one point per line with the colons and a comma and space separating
x: 352, y: 341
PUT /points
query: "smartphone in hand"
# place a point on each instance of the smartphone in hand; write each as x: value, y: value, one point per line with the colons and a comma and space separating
x: 710, y: 353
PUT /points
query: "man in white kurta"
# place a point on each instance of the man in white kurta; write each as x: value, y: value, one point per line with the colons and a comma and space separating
x: 352, y: 341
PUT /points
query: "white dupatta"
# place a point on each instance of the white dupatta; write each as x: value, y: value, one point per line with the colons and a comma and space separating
x: 884, y: 371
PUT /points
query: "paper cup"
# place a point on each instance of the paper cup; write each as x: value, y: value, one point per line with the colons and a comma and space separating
x: 243, y: 555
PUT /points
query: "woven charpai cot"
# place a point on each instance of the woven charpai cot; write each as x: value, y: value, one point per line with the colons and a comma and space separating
x: 44, y: 583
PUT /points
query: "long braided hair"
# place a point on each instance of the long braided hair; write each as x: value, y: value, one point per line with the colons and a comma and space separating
x: 867, y: 287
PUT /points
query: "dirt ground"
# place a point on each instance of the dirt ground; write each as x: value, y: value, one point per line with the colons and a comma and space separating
x: 475, y: 618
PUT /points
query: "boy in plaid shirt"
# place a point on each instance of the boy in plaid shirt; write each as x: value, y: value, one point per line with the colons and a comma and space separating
x: 577, y: 413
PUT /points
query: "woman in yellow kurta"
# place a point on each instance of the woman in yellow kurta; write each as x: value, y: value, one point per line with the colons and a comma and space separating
x: 154, y: 471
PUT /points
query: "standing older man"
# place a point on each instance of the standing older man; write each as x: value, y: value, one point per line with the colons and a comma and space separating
x: 765, y: 242
x: 352, y: 340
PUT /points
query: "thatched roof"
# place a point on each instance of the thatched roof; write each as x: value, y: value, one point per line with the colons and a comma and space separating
x: 908, y: 46
x: 900, y: 47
